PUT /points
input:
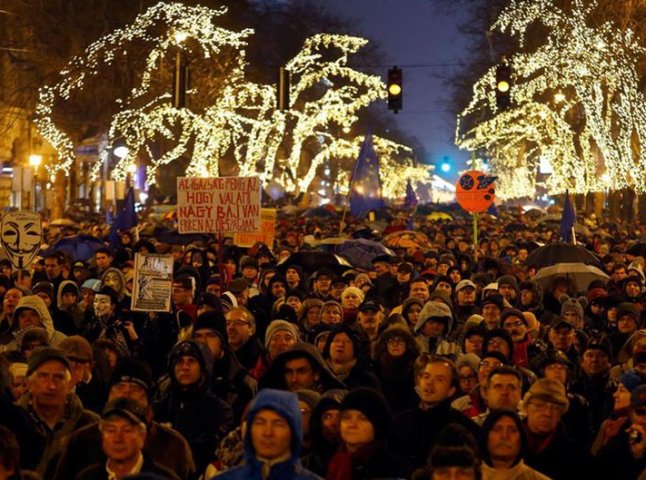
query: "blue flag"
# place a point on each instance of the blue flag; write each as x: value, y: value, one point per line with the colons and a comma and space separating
x: 365, y: 184
x: 411, y: 199
x: 126, y: 219
x: 568, y: 220
x: 493, y: 210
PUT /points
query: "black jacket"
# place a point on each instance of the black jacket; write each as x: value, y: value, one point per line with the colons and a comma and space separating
x: 418, y: 428
x: 98, y: 471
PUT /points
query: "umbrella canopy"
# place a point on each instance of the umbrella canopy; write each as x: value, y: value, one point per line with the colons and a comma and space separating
x: 77, y: 247
x: 360, y: 251
x: 407, y: 239
x: 439, y: 216
x: 579, y: 274
x: 173, y: 237
x: 313, y: 260
x: 63, y: 222
x: 516, y: 227
x: 561, y: 253
x: 320, y: 212
x: 638, y: 250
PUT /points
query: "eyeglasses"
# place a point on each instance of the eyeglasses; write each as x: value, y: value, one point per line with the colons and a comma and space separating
x: 487, y: 364
x: 237, y: 323
x: 543, y: 406
x: 396, y: 341
x: 517, y: 323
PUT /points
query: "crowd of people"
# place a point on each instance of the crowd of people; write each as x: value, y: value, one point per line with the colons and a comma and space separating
x: 446, y: 360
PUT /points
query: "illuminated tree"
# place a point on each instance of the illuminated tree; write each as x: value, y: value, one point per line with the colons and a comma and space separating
x: 576, y: 103
x: 234, y: 123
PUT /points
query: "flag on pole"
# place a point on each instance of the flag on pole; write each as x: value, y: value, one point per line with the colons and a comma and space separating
x: 411, y: 199
x: 568, y: 220
x: 365, y: 184
x: 126, y: 219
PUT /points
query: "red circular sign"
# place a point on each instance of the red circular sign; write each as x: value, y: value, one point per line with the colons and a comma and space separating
x: 475, y: 191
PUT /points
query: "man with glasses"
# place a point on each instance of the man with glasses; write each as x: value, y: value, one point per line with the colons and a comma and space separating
x: 241, y: 328
x: 132, y: 380
x: 552, y: 451
x: 53, y: 409
x: 123, y: 436
x: 527, y: 352
x: 436, y: 381
x: 474, y: 404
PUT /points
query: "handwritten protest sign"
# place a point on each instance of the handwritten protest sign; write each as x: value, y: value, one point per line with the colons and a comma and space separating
x: 266, y: 233
x: 218, y: 204
x: 153, y: 283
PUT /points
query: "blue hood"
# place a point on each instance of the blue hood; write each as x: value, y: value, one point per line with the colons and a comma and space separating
x: 284, y: 404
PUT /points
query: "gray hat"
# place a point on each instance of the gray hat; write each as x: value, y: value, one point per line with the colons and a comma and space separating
x: 277, y: 325
x: 433, y: 310
x: 464, y: 284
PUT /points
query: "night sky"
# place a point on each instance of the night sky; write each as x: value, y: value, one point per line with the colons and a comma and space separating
x: 415, y: 32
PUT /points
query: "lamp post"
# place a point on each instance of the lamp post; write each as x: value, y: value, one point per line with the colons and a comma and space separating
x: 34, y: 163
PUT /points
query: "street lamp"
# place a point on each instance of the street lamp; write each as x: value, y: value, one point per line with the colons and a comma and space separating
x: 34, y: 163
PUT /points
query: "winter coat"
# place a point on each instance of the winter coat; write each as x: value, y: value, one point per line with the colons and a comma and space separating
x: 200, y: 416
x: 286, y: 405
x: 375, y: 463
x: 75, y: 417
x: 249, y: 353
x: 418, y: 428
x: 165, y: 446
x: 98, y: 471
x: 33, y: 302
x: 231, y: 382
x: 520, y: 471
x: 559, y: 456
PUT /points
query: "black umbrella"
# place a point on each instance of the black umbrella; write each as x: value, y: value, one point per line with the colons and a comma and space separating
x: 313, y: 260
x: 638, y: 250
x: 516, y: 227
x: 553, y: 253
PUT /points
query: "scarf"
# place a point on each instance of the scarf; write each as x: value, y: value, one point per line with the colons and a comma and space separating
x: 521, y: 358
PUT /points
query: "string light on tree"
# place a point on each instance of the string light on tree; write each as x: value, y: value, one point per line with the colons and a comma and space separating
x: 242, y: 122
x: 582, y: 83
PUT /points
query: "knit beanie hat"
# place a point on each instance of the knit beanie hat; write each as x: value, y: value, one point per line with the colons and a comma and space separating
x: 572, y: 305
x: 513, y: 312
x: 212, y: 320
x: 631, y: 380
x: 357, y: 291
x: 372, y: 404
x: 508, y: 280
x: 276, y: 326
x: 130, y: 369
x: 495, y: 299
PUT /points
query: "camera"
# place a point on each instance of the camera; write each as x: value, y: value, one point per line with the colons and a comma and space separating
x: 635, y: 436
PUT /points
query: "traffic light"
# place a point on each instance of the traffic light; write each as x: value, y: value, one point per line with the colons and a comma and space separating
x: 503, y: 86
x: 283, y: 89
x: 395, y: 89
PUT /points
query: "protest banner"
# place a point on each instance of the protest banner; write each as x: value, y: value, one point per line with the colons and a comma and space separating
x: 153, y: 283
x: 218, y: 204
x: 265, y: 235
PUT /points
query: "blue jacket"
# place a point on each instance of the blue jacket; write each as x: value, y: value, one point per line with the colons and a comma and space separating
x: 286, y: 405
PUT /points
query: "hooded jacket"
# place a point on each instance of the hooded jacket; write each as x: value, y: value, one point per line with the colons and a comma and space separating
x: 274, y: 377
x: 75, y: 310
x: 284, y: 404
x: 193, y: 410
x: 33, y: 302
